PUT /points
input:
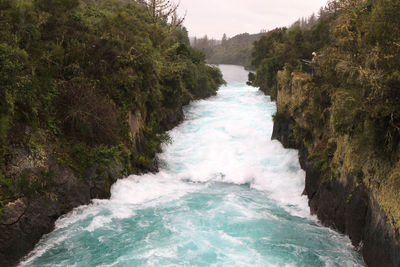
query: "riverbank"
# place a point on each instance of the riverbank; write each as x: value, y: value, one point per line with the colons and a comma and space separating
x: 340, y: 194
x: 86, y: 98
x: 25, y: 220
x: 221, y: 184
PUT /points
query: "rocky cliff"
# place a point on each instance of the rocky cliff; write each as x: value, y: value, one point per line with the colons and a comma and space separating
x: 25, y: 220
x: 342, y: 178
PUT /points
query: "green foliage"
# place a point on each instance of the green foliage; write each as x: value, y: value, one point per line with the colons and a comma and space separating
x: 105, y: 156
x: 323, y: 159
x: 81, y: 157
x: 86, y: 114
x: 349, y: 197
x: 27, y: 183
x: 235, y: 50
x: 358, y: 176
x: 285, y: 47
x: 357, y: 78
x: 330, y: 150
x: 278, y: 48
x: 301, y: 134
x: 351, y: 105
x: 369, y: 75
x: 12, y: 84
x: 75, y: 69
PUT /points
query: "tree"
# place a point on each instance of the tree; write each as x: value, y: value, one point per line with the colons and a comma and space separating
x: 224, y: 39
x: 164, y: 10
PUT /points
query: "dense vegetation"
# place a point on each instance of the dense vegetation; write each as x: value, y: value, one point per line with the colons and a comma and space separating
x: 235, y: 50
x: 73, y: 73
x: 287, y: 47
x: 348, y: 109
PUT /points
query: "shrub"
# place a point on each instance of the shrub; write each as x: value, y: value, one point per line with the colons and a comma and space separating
x: 87, y: 115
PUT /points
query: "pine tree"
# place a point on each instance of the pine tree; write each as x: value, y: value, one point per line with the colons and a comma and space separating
x: 164, y: 10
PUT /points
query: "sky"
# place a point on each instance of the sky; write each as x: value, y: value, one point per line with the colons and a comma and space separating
x: 216, y: 17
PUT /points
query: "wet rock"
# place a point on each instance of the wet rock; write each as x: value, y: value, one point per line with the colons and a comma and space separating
x: 346, y: 207
x: 381, y: 245
x: 19, y: 235
x: 24, y: 221
x: 281, y: 131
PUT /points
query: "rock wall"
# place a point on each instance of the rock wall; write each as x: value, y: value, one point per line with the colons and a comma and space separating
x: 343, y: 203
x: 24, y: 221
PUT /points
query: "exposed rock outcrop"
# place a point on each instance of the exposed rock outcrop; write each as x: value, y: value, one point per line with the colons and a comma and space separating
x: 342, y: 202
x: 24, y: 221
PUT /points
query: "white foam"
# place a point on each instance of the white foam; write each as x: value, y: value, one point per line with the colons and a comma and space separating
x: 231, y: 239
x: 41, y: 248
x: 97, y: 222
x: 233, y: 145
x: 225, y: 138
x: 147, y: 188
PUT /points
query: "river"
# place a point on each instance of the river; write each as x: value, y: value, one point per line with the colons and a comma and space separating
x: 226, y: 195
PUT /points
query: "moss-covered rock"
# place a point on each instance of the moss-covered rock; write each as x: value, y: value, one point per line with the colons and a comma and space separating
x: 351, y: 188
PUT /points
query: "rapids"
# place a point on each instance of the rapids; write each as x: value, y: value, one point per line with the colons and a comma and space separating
x: 226, y: 195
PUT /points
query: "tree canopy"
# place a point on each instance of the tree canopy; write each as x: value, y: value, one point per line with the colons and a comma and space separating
x: 73, y: 71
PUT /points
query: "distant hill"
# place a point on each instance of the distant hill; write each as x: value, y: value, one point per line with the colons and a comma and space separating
x: 235, y: 50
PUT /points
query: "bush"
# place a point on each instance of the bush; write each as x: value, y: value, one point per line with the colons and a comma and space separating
x: 87, y: 115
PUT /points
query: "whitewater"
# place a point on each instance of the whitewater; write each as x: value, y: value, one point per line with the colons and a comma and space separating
x: 225, y: 195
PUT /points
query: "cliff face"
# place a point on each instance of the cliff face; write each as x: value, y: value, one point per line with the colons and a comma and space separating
x: 25, y: 220
x: 85, y: 99
x: 340, y: 177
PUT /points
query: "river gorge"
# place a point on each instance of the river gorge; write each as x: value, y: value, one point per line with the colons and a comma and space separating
x: 225, y: 195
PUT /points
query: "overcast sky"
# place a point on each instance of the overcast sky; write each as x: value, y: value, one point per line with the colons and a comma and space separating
x: 216, y: 17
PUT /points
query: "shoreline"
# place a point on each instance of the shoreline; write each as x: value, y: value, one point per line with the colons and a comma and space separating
x: 343, y: 204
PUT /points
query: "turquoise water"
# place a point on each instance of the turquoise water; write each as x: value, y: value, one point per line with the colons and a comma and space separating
x: 226, y: 195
